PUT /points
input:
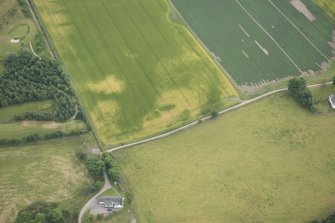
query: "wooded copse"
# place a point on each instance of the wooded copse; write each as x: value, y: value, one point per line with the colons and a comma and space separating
x: 27, y: 78
x: 298, y: 90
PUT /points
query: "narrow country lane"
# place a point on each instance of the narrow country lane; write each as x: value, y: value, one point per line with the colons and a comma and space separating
x: 93, y: 200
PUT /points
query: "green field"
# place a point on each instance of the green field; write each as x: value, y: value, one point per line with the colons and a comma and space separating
x: 45, y: 171
x: 137, y: 72
x: 20, y: 130
x: 7, y: 113
x: 20, y: 31
x: 270, y: 161
x: 260, y: 42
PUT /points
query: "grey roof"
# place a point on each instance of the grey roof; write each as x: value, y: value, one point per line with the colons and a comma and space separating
x: 111, y: 201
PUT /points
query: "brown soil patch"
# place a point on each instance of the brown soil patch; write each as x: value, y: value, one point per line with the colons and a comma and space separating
x: 51, y: 125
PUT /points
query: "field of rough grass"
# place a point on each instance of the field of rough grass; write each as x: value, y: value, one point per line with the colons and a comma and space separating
x: 270, y: 161
x: 47, y: 171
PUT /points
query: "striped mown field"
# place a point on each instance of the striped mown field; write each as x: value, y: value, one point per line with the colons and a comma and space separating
x: 262, y: 41
x: 137, y: 72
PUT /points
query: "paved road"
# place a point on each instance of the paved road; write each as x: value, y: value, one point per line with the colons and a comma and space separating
x: 92, y: 202
x: 242, y: 104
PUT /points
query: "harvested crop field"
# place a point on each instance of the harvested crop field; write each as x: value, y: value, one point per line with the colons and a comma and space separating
x: 270, y: 161
x: 137, y: 72
x: 264, y: 41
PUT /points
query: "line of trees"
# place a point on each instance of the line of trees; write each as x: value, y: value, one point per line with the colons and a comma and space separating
x: 43, y: 212
x: 26, y: 78
x: 96, y: 165
x: 37, y: 137
x: 24, y: 8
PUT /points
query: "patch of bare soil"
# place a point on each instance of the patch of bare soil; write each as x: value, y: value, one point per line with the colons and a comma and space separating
x: 51, y: 125
x: 302, y: 8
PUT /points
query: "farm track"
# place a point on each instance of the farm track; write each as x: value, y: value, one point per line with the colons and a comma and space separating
x: 90, y: 203
x: 33, y: 51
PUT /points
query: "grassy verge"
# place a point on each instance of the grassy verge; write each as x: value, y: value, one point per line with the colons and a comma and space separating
x: 47, y: 171
x: 271, y: 161
x: 7, y: 113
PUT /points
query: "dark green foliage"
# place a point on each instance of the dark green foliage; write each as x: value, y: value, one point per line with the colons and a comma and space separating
x: 81, y: 156
x: 27, y: 78
x: 55, y: 215
x: 39, y: 42
x: 37, y: 137
x: 334, y: 80
x: 112, y: 166
x: 298, y: 90
x: 95, y: 166
x: 93, y: 188
x: 24, y: 217
x: 24, y: 8
x: 34, y: 116
x: 40, y: 218
x: 42, y: 212
x: 329, y: 219
x: 96, y: 186
x: 214, y: 113
x: 33, y: 138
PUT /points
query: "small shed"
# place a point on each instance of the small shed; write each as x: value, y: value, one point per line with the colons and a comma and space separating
x: 332, y: 101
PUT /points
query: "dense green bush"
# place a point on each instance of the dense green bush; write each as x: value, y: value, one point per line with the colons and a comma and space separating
x: 298, y: 90
x: 95, y: 166
x: 37, y: 137
x: 24, y: 8
x: 112, y: 166
x: 42, y: 212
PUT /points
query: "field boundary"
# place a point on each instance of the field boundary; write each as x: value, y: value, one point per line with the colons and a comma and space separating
x: 209, y: 53
x: 206, y: 118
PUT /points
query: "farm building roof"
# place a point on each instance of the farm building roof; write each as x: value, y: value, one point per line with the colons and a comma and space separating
x: 111, y: 201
